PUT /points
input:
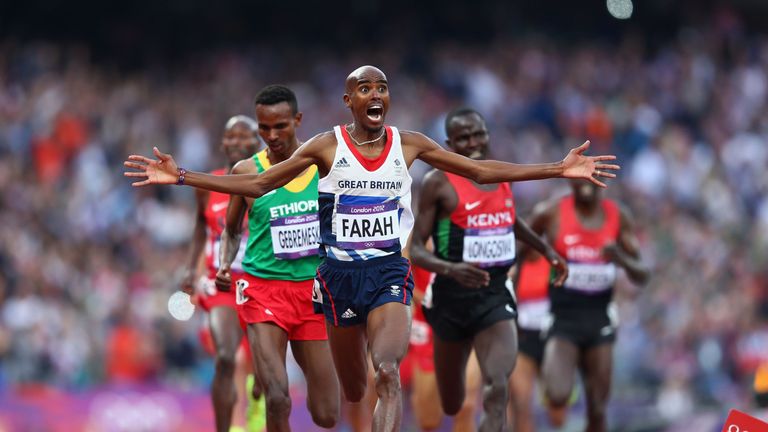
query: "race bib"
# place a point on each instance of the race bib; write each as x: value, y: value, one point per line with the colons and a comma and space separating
x: 240, y: 286
x: 533, y: 315
x: 419, y: 333
x: 363, y: 226
x: 489, y: 247
x: 295, y: 237
x: 237, y: 264
x: 590, y: 278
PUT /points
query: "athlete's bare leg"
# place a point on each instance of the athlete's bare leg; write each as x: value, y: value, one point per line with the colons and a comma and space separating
x: 464, y: 421
x: 425, y: 399
x: 349, y: 349
x: 560, y: 361
x: 243, y: 367
x: 596, y: 364
x: 522, y: 384
x: 450, y: 369
x: 314, y: 359
x: 389, y: 328
x: 269, y: 344
x: 496, y: 348
x: 360, y: 414
x: 225, y: 329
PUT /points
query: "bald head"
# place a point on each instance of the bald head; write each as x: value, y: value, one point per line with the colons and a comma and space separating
x: 367, y: 73
x: 244, y: 120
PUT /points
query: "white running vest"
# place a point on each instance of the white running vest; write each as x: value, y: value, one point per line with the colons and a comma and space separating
x: 365, y: 205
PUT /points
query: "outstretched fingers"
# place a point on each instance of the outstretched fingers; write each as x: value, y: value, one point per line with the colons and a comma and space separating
x: 597, y: 182
x: 141, y: 183
x: 135, y: 165
x: 582, y: 148
x: 140, y: 158
x: 602, y: 166
x: 160, y: 155
x: 605, y: 174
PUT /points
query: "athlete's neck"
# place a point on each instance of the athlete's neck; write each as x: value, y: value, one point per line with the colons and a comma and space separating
x: 361, y: 135
x: 587, y: 208
x: 276, y: 157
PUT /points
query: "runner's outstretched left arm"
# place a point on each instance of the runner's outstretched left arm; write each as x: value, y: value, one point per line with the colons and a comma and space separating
x: 574, y: 165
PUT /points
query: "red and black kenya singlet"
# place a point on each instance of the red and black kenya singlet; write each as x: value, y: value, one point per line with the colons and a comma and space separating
x: 480, y: 229
x: 590, y: 276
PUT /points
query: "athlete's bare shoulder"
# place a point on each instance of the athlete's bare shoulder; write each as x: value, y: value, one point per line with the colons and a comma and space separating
x: 411, y: 138
x: 434, y: 177
x: 545, y: 208
x: 245, y: 166
x: 322, y: 137
x: 321, y: 148
x: 416, y: 144
x: 624, y: 213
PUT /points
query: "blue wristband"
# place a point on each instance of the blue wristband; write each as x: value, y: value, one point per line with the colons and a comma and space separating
x: 182, y: 174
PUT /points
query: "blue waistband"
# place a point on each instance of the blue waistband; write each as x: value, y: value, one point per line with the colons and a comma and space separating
x: 373, y: 262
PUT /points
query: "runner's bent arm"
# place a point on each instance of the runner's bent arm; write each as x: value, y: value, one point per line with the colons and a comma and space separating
x: 575, y: 164
x: 525, y: 234
x: 198, y: 242
x: 164, y: 170
x: 626, y: 251
x: 233, y: 231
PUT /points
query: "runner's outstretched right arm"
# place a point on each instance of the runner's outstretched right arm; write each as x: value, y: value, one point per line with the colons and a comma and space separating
x: 164, y: 170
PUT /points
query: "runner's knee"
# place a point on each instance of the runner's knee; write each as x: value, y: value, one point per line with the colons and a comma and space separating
x: 558, y: 396
x: 354, y: 392
x: 325, y: 417
x: 278, y: 402
x: 596, y: 402
x: 496, y: 393
x: 225, y: 362
x: 388, y: 377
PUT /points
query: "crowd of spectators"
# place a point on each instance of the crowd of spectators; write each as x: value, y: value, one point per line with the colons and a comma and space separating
x: 87, y: 263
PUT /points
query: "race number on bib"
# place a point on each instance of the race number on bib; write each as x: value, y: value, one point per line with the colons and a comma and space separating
x: 240, y: 286
x: 295, y: 237
x: 363, y: 226
x: 533, y: 315
x: 489, y: 247
x: 419, y: 333
x: 237, y: 264
x: 590, y: 278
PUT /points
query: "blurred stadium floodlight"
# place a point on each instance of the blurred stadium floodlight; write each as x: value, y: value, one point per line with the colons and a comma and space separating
x: 620, y: 9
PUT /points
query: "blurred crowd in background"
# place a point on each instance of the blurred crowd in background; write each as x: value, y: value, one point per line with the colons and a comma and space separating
x: 87, y: 263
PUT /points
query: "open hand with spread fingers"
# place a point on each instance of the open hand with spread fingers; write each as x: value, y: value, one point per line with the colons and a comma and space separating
x: 577, y: 165
x: 162, y: 170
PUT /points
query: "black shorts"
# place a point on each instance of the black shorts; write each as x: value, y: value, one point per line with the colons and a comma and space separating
x: 531, y: 343
x: 459, y: 313
x: 586, y: 328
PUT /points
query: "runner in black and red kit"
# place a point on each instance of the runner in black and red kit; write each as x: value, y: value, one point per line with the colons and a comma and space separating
x: 532, y: 279
x: 240, y: 141
x: 595, y: 235
x: 471, y: 303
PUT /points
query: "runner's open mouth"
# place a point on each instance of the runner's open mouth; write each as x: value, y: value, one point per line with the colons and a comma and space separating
x: 375, y: 112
